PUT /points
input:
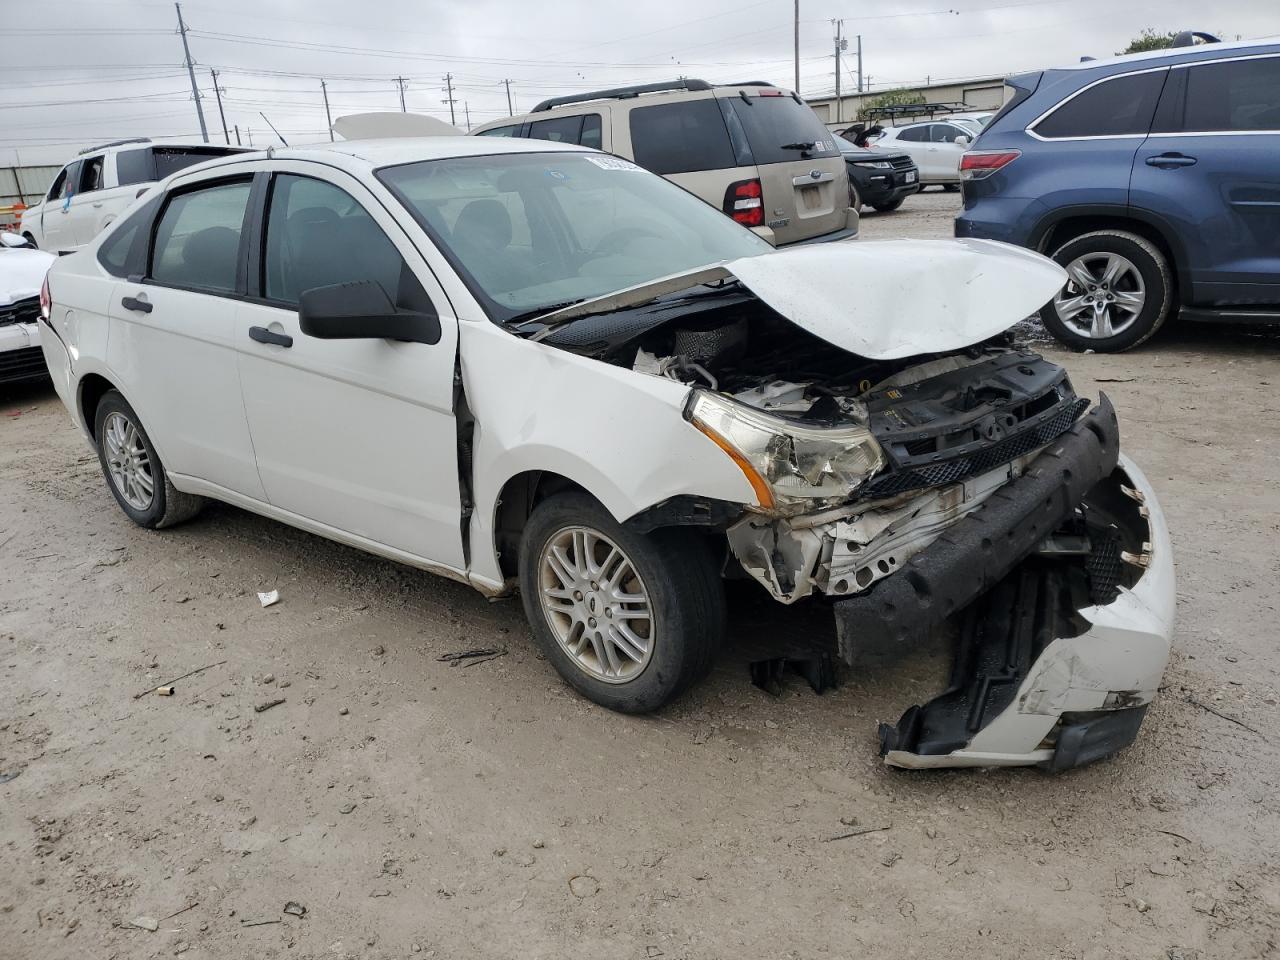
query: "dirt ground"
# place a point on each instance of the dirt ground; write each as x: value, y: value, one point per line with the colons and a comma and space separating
x: 421, y: 809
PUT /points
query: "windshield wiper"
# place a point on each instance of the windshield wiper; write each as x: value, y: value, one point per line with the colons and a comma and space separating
x: 534, y: 314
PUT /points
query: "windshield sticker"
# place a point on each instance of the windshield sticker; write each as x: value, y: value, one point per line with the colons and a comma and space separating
x: 612, y: 163
x: 557, y: 174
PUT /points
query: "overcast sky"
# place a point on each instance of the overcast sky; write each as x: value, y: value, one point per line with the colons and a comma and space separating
x: 83, y: 72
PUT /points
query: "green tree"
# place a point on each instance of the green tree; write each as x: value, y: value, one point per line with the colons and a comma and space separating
x: 893, y: 98
x: 1149, y: 39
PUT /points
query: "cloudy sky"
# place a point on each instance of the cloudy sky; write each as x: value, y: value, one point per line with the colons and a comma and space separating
x: 78, y: 72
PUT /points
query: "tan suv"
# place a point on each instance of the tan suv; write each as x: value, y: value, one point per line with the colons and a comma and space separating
x: 752, y: 150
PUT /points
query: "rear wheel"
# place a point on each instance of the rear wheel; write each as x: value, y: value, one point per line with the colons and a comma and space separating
x: 1119, y: 292
x: 951, y: 187
x: 630, y: 620
x: 133, y: 469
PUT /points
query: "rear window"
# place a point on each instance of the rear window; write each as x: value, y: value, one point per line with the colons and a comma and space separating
x: 1112, y: 108
x: 779, y: 129
x: 681, y: 137
x: 1237, y: 95
x: 148, y: 164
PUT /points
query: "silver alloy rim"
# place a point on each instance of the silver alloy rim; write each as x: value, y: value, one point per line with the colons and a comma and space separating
x: 596, y: 604
x: 1103, y: 295
x: 128, y: 462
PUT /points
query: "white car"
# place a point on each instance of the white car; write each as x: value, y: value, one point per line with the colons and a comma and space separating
x: 100, y: 184
x: 532, y: 366
x: 935, y: 145
x: 22, y: 271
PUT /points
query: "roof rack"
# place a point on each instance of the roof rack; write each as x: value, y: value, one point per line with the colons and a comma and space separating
x: 114, y: 143
x: 618, y: 93
x: 903, y: 111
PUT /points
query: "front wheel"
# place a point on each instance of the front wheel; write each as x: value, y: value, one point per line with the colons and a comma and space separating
x: 630, y: 620
x: 855, y: 198
x: 1119, y: 292
x: 890, y: 206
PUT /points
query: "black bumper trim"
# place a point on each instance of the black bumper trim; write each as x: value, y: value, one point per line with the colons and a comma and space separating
x: 978, y: 552
x: 1086, y: 737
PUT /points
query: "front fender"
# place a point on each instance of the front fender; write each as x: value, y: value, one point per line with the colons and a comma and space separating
x: 619, y: 434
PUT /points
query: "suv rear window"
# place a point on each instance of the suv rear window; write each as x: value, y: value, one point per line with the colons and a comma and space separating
x: 148, y: 164
x: 681, y: 137
x: 776, y: 126
x: 1113, y: 108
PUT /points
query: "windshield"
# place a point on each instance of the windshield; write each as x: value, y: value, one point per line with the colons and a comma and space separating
x: 532, y: 232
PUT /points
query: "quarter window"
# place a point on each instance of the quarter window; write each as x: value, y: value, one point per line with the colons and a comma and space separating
x: 91, y: 175
x: 918, y: 134
x: 319, y: 235
x: 197, y: 241
x: 1236, y: 95
x: 1114, y: 108
x: 557, y: 129
x: 591, y: 132
x: 681, y: 137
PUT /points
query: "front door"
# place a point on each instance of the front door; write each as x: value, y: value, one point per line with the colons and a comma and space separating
x: 56, y: 220
x: 1211, y: 169
x: 357, y: 435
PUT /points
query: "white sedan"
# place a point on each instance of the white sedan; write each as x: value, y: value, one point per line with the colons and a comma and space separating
x: 935, y: 145
x: 534, y: 367
x: 22, y: 271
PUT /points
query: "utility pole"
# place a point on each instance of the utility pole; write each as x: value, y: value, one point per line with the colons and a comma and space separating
x: 328, y: 119
x: 859, y: 63
x: 218, y: 93
x: 466, y: 108
x: 400, y: 81
x: 797, y: 46
x: 448, y: 85
x: 191, y: 72
x: 507, y: 83
x: 238, y: 143
x: 248, y: 135
x: 841, y: 44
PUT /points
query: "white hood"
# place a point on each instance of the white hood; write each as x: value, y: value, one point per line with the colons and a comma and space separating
x: 880, y: 299
x: 21, y: 273
x: 376, y: 126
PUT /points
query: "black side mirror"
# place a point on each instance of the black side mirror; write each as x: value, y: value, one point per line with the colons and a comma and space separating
x: 361, y: 310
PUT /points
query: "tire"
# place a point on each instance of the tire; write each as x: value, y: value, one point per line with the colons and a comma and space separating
x: 673, y: 568
x: 855, y: 198
x: 117, y: 446
x: 951, y: 187
x: 890, y: 206
x: 31, y: 240
x: 1143, y: 276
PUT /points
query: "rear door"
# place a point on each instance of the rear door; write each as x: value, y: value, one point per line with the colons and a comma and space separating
x: 1211, y: 170
x: 805, y: 184
x: 943, y: 151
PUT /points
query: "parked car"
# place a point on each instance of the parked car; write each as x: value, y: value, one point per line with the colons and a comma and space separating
x: 935, y: 145
x: 527, y: 365
x: 22, y: 271
x: 1152, y: 178
x: 99, y: 185
x: 752, y: 150
x: 977, y: 120
x: 880, y: 179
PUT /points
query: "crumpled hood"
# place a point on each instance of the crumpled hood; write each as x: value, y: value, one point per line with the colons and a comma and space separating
x: 880, y: 299
x: 887, y: 299
x: 21, y: 273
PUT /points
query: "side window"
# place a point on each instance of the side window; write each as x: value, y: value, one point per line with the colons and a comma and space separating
x: 117, y: 250
x: 512, y: 131
x: 1237, y: 95
x: 918, y: 134
x: 91, y: 174
x: 591, y: 136
x: 557, y: 129
x: 1113, y: 108
x: 318, y: 235
x: 71, y: 185
x: 59, y: 184
x: 681, y: 137
x: 197, y: 241
x: 135, y: 166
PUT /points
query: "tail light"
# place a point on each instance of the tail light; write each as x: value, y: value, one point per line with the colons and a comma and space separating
x: 46, y: 302
x: 744, y: 201
x: 980, y: 164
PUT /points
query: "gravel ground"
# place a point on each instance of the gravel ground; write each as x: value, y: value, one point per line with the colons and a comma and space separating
x: 420, y: 809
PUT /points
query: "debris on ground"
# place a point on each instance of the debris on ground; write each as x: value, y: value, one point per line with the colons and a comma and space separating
x: 170, y: 683
x: 346, y: 808
x: 145, y: 923
x: 295, y: 909
x: 165, y: 691
x: 12, y: 775
x: 858, y: 833
x: 268, y: 598
x: 469, y: 658
x: 819, y: 670
x: 583, y: 886
x: 263, y: 707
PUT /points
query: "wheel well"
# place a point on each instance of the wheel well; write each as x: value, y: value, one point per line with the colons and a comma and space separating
x: 519, y: 496
x: 1072, y: 227
x: 92, y: 388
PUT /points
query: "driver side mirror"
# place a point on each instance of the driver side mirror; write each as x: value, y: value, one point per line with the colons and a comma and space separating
x: 361, y: 310
x: 962, y: 140
x: 14, y: 241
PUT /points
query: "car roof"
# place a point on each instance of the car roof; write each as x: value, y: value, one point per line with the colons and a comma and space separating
x: 1197, y: 51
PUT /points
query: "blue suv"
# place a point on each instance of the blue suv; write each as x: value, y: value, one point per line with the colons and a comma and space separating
x: 1154, y: 179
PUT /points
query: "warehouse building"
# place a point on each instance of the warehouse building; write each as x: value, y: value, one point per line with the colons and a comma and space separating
x: 979, y: 93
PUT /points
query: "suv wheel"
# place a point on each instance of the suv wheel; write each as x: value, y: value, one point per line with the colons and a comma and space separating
x: 133, y: 469
x: 1118, y: 293
x: 630, y: 620
x: 855, y: 198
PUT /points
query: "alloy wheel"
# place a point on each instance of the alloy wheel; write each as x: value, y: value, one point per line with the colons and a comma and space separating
x: 596, y: 604
x: 1102, y: 297
x: 128, y: 463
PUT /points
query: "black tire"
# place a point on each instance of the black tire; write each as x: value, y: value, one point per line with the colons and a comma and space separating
x: 855, y: 198
x: 890, y: 206
x: 31, y: 240
x: 168, y: 505
x: 685, y: 593
x: 951, y: 187
x: 1157, y: 278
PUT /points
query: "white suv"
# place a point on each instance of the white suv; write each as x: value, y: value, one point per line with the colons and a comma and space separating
x: 100, y: 184
x: 526, y: 365
x: 758, y: 153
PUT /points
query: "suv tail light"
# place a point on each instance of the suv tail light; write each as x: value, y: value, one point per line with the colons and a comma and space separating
x: 744, y: 201
x: 46, y: 302
x: 980, y: 164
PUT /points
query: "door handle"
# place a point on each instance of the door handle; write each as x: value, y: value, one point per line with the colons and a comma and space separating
x: 97, y: 203
x: 263, y: 335
x: 1167, y: 161
x: 136, y: 303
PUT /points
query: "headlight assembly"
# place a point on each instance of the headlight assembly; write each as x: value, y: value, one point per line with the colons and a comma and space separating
x: 791, y: 467
x: 874, y: 164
